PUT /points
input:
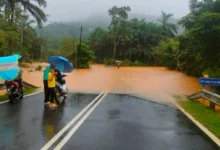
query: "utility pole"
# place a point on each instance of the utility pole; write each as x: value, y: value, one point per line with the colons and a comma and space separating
x: 80, y: 41
x: 42, y: 40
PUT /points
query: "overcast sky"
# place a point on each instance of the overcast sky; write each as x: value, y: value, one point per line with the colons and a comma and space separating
x: 70, y: 10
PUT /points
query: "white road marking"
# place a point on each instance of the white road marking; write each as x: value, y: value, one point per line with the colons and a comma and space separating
x: 59, y: 134
x: 203, y: 128
x: 6, y: 101
x: 73, y: 130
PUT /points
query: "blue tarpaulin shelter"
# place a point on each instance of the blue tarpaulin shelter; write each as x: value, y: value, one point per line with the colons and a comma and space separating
x: 9, y: 67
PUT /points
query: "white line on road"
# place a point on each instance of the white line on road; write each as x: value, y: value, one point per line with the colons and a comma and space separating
x: 59, y: 134
x: 24, y: 96
x: 203, y: 128
x: 73, y: 130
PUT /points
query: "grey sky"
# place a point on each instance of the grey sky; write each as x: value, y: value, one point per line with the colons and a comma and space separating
x: 69, y: 10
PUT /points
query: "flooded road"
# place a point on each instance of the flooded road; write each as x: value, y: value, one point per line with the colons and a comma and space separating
x: 154, y: 83
x: 118, y: 122
x: 118, y: 119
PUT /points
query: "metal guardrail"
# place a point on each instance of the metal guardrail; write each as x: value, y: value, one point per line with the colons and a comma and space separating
x: 212, y: 97
x: 25, y: 84
x: 2, y: 85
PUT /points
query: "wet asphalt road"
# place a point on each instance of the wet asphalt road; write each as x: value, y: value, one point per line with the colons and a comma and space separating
x: 119, y: 122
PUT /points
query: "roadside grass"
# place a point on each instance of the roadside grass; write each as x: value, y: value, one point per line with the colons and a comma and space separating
x: 26, y: 92
x: 206, y: 116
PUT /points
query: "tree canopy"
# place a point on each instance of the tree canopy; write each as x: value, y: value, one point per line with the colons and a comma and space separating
x: 134, y: 40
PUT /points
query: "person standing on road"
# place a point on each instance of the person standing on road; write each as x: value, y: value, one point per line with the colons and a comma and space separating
x: 51, y: 85
x: 59, y: 80
x: 45, y: 81
x: 18, y: 79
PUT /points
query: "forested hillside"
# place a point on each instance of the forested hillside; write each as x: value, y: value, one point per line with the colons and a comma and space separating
x: 63, y: 29
x: 120, y: 34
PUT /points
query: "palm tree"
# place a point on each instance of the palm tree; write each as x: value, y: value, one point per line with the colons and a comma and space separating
x: 34, y: 10
x: 193, y: 5
x: 41, y: 3
x: 170, y: 28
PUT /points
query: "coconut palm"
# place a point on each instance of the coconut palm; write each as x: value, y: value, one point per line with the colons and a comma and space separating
x: 170, y: 28
x: 11, y: 6
x: 193, y: 5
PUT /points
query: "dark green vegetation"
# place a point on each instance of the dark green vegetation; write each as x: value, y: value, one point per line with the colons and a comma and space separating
x: 16, y: 33
x: 121, y: 36
x: 209, y: 118
x: 195, y: 52
x: 26, y: 92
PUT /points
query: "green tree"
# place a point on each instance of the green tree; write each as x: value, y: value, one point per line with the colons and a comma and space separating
x: 84, y: 56
x: 11, y: 6
x: 66, y: 47
x: 201, y: 38
x: 203, y: 32
x: 100, y: 42
x: 170, y: 28
x: 3, y: 42
x: 118, y: 24
x: 168, y: 53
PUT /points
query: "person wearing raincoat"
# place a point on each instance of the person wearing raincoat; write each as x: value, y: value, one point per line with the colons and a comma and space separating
x: 59, y: 80
x: 51, y: 86
x: 18, y: 79
x: 45, y: 81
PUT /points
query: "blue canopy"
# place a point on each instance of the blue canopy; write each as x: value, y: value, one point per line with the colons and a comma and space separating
x: 9, y: 67
x: 61, y: 63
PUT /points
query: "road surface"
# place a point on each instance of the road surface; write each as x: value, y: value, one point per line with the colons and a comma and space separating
x: 111, y: 122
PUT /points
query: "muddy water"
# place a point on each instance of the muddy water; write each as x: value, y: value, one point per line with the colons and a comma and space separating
x: 154, y: 83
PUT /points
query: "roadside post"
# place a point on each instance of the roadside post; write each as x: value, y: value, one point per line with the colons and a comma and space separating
x: 210, y: 82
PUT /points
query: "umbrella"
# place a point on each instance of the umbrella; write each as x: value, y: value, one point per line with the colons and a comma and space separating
x: 9, y: 67
x: 17, y: 56
x: 61, y: 63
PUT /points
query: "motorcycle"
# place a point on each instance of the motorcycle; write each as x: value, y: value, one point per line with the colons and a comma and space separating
x: 13, y: 91
x: 61, y: 89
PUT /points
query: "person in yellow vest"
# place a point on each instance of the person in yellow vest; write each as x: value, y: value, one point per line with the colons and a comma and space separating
x: 51, y: 85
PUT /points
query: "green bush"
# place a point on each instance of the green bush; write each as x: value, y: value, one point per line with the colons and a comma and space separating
x: 29, y: 61
x: 84, y: 56
x: 212, y: 72
x: 83, y: 66
x: 109, y: 61
x: 127, y: 62
x: 23, y: 65
x: 192, y: 69
x: 39, y: 68
x: 170, y: 65
x: 139, y: 63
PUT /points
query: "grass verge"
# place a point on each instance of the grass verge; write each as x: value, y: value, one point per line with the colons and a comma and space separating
x: 26, y: 92
x: 207, y: 117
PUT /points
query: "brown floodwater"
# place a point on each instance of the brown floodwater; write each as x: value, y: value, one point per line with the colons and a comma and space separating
x: 154, y: 83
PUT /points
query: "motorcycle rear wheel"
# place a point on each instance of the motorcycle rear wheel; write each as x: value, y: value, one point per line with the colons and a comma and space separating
x: 12, y: 99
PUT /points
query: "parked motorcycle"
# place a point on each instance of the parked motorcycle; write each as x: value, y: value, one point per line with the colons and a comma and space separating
x: 13, y: 91
x: 61, y: 89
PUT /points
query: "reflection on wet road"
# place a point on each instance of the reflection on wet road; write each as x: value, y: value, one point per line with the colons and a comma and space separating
x: 119, y: 122
x: 29, y: 125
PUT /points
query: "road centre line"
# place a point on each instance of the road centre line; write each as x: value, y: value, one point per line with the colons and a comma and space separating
x: 64, y: 129
x: 73, y: 130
